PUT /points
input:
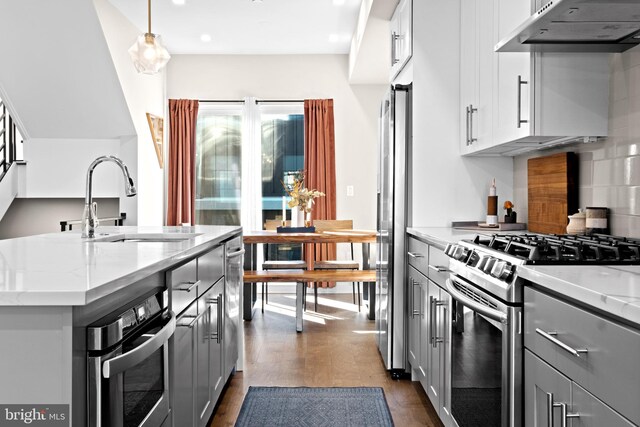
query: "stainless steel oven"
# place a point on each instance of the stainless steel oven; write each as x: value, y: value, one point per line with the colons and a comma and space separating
x: 486, y: 362
x: 127, y: 365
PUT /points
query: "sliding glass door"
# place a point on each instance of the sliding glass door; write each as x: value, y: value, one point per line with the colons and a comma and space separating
x: 243, y: 152
x: 218, y: 164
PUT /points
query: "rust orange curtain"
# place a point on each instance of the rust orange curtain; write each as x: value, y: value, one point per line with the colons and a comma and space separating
x: 320, y: 168
x: 183, y: 114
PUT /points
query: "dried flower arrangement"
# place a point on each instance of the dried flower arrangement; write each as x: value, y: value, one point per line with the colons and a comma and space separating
x: 300, y: 196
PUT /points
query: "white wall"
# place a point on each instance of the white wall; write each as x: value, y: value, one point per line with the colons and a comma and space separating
x: 446, y: 186
x: 27, y: 217
x: 356, y: 107
x: 143, y: 94
x: 56, y: 74
x: 57, y: 168
x: 8, y: 189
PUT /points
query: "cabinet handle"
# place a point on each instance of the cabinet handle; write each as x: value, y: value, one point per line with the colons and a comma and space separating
x: 520, y: 83
x: 438, y: 268
x: 189, y: 286
x: 414, y: 312
x: 415, y: 255
x: 218, y: 301
x: 394, y: 40
x: 551, y: 337
x: 434, y: 303
x: 471, y: 111
x: 564, y: 415
x: 193, y: 321
x: 468, y: 113
x: 549, y: 409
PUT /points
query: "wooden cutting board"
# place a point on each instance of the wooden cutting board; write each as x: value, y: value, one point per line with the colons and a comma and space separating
x: 553, y: 192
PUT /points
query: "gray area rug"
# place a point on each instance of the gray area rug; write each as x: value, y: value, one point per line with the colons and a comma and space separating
x: 314, y: 406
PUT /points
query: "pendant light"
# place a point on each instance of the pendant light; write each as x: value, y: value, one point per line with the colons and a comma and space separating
x: 147, y: 53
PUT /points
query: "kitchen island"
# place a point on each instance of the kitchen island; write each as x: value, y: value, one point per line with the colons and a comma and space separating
x: 54, y: 285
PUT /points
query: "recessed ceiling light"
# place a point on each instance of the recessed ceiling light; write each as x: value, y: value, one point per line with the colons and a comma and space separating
x: 338, y: 2
x: 205, y: 38
x: 334, y: 38
x: 257, y: 1
x: 178, y: 2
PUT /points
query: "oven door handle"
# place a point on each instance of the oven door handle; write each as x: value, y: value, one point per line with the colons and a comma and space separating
x: 236, y: 253
x: 125, y: 361
x: 474, y: 305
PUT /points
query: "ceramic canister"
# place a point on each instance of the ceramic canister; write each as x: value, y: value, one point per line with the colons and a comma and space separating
x: 577, y: 223
x: 596, y: 221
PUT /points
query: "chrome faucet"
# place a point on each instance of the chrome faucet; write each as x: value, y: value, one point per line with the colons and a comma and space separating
x: 89, y: 217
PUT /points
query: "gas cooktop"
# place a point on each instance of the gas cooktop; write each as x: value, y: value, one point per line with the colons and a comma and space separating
x: 553, y: 249
x: 491, y: 262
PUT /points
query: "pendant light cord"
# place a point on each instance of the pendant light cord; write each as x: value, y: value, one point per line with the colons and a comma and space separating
x: 149, y: 18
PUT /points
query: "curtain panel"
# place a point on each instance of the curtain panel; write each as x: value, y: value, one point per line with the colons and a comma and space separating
x: 183, y: 114
x: 320, y: 169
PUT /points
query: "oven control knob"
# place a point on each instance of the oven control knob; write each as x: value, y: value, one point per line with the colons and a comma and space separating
x: 448, y: 250
x: 501, y: 270
x: 460, y: 253
x: 488, y: 263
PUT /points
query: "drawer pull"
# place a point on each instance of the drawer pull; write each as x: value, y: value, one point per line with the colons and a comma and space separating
x: 438, y: 268
x: 551, y: 337
x: 189, y: 286
x: 415, y: 255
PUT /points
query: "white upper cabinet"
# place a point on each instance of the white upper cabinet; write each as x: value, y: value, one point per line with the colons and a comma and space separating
x: 536, y: 98
x: 476, y: 74
x: 401, y: 36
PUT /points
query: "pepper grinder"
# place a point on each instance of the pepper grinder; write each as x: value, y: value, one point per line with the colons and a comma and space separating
x: 492, y: 205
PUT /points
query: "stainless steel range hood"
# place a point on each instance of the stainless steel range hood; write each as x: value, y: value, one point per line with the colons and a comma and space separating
x: 577, y: 26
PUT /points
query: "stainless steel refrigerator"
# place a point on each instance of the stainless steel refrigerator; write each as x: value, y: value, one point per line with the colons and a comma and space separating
x: 393, y: 218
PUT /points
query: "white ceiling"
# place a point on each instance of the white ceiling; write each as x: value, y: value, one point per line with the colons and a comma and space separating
x: 247, y: 26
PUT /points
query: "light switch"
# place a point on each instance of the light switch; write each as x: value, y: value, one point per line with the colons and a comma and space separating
x: 349, y: 190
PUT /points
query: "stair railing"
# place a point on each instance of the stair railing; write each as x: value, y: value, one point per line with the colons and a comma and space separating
x: 8, y: 140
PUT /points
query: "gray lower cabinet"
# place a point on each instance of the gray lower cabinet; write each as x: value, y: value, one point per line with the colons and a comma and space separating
x: 183, y: 373
x: 204, y: 347
x: 438, y: 332
x: 429, y: 323
x: 580, y: 367
x: 552, y: 399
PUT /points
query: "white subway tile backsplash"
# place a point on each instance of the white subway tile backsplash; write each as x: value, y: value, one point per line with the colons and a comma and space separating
x: 634, y: 200
x: 619, y: 114
x: 609, y: 170
x: 631, y: 170
x: 626, y: 148
x: 602, y: 173
x: 585, y: 197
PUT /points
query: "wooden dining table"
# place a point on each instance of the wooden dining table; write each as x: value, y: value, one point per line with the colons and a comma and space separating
x: 251, y: 240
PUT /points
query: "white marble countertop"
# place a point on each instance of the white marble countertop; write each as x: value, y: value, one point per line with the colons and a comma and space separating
x: 441, y: 236
x: 611, y: 289
x: 62, y: 269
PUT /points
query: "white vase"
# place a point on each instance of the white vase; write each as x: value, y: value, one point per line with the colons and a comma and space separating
x: 297, y: 217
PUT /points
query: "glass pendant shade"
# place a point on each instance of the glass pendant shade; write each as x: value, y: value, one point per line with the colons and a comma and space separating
x: 148, y: 54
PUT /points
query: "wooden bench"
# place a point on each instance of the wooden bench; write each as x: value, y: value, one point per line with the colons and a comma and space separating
x: 305, y: 276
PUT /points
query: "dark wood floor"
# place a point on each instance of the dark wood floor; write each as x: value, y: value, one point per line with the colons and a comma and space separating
x: 336, y: 349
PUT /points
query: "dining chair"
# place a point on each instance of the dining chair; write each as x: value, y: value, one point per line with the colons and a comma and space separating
x: 336, y: 225
x: 272, y: 224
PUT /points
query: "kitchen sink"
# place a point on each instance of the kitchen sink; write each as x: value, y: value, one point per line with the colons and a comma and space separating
x: 146, y: 237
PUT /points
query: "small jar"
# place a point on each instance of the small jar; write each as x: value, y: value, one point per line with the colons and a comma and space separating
x: 597, y: 221
x: 577, y: 223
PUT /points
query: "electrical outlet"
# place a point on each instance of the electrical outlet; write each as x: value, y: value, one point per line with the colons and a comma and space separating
x: 349, y: 190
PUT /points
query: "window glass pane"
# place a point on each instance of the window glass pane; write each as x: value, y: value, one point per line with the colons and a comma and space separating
x: 282, y: 152
x: 218, y: 166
